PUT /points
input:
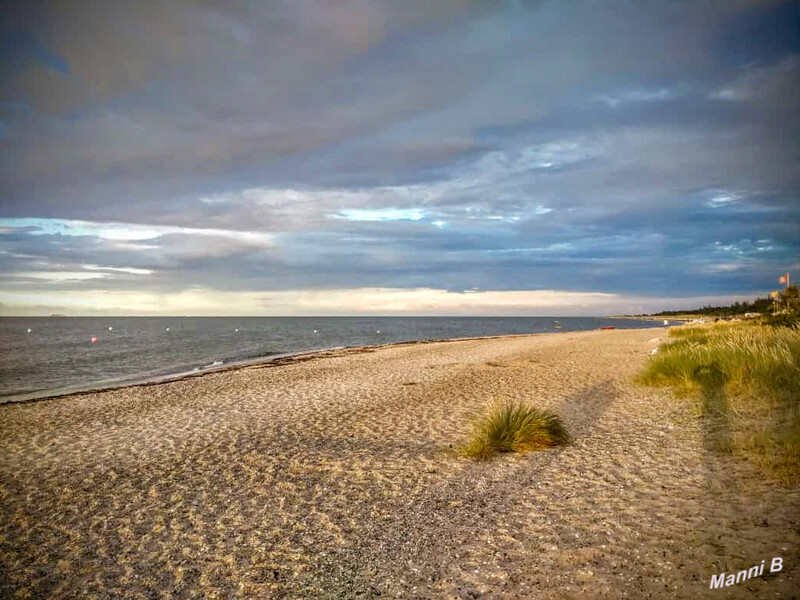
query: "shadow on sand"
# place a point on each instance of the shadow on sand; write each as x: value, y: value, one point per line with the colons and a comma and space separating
x: 715, y: 409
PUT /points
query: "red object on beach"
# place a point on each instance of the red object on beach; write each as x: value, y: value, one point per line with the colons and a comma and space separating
x: 607, y: 327
x: 94, y: 340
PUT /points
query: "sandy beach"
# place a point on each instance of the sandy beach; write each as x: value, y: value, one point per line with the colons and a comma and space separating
x: 337, y: 477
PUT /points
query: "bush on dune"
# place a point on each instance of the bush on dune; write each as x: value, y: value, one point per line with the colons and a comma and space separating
x: 747, y: 377
x: 514, y: 427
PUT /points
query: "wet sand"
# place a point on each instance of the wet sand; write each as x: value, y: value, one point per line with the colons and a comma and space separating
x: 336, y: 477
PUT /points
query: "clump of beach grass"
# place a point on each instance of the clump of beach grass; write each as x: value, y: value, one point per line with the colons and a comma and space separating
x: 514, y: 427
x: 745, y: 378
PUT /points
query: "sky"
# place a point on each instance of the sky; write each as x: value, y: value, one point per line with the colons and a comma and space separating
x: 448, y: 157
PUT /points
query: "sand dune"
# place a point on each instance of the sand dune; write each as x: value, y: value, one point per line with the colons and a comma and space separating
x: 336, y: 478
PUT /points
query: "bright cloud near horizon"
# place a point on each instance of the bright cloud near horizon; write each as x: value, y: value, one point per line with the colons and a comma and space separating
x: 463, y: 157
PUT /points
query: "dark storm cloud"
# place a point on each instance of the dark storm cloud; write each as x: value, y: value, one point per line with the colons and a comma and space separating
x: 626, y: 147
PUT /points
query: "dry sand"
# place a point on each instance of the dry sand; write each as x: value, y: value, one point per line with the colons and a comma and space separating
x: 335, y: 478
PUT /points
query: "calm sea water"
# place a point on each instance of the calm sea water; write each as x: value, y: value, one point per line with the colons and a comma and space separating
x: 57, y: 355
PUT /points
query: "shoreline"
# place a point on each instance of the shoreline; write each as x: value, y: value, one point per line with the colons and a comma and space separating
x: 275, y: 360
x: 342, y: 479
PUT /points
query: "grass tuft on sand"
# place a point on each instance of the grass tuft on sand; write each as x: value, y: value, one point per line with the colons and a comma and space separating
x: 745, y: 378
x: 514, y: 427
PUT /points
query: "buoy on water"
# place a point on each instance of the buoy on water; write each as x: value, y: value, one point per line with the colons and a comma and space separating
x: 378, y: 331
x: 29, y: 329
x: 111, y: 329
x: 315, y: 331
x: 236, y: 330
x: 167, y: 329
x: 94, y: 339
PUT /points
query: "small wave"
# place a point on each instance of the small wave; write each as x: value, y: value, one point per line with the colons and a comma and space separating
x: 250, y: 355
x: 216, y: 363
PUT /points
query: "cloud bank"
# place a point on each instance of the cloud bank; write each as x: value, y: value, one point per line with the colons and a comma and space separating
x: 645, y: 154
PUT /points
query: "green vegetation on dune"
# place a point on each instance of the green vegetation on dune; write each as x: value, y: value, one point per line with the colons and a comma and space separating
x: 745, y: 378
x: 759, y: 305
x: 787, y: 302
x: 514, y: 427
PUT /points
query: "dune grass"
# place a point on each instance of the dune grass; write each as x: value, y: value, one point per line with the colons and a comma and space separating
x: 514, y: 427
x: 745, y: 378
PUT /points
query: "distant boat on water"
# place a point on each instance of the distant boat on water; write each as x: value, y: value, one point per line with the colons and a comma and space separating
x: 557, y: 324
x: 56, y: 315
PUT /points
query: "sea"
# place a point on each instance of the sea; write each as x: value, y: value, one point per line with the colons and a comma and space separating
x: 49, y: 356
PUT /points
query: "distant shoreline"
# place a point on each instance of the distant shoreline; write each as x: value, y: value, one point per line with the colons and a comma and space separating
x: 682, y: 317
x: 555, y: 317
